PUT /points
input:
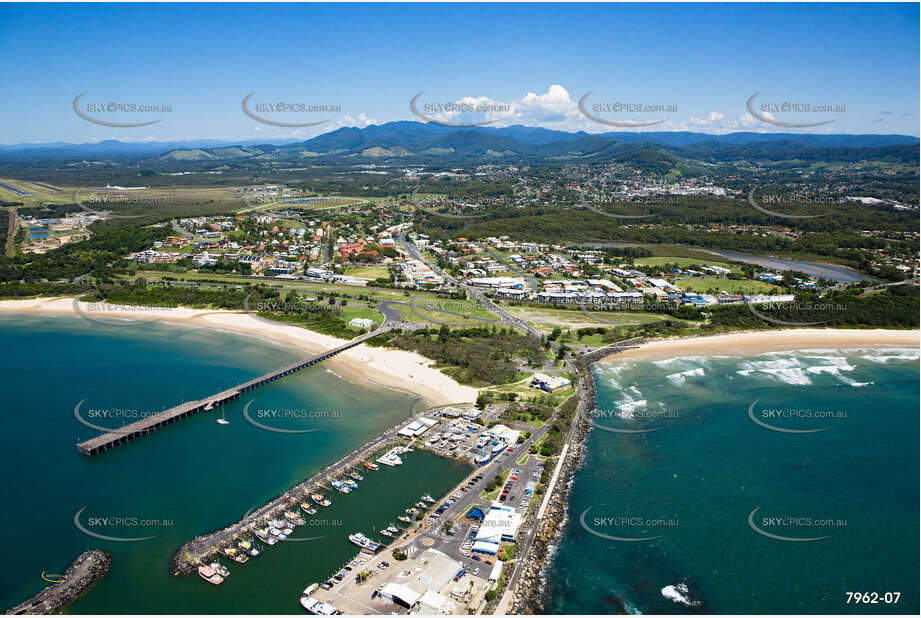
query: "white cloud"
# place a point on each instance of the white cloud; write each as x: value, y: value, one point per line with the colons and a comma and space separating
x: 557, y: 109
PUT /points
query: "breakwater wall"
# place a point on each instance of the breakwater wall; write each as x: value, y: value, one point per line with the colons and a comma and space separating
x: 86, y: 570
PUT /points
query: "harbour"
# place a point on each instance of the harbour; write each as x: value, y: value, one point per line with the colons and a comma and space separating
x: 204, y: 483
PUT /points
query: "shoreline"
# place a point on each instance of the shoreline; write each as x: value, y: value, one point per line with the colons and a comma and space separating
x: 749, y: 343
x: 531, y: 595
x: 398, y: 370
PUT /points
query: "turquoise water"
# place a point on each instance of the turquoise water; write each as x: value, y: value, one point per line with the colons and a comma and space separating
x: 190, y: 478
x: 691, y: 484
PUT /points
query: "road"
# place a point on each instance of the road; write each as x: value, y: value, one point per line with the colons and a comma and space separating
x: 475, y: 293
x: 11, y: 232
x: 531, y: 279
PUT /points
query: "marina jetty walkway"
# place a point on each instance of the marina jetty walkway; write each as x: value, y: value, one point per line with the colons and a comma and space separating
x: 154, y: 422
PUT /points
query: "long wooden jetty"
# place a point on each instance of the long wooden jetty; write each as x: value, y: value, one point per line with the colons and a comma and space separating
x: 154, y: 422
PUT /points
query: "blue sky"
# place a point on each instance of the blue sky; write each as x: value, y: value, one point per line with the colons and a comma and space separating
x: 537, y: 61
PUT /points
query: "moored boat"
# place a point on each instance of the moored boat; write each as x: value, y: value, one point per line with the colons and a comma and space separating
x: 266, y: 536
x: 317, y: 607
x: 235, y: 555
x: 320, y: 499
x: 208, y: 574
x: 294, y: 519
x: 371, y: 466
x: 364, y: 542
x: 308, y: 508
x: 356, y: 476
x: 220, y: 568
x: 428, y: 498
x: 247, y: 546
x: 351, y: 483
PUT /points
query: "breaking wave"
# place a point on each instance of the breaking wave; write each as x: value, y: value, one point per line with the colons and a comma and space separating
x: 680, y: 378
x: 680, y: 594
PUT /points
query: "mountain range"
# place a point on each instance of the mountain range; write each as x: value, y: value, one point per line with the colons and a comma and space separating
x: 416, y: 142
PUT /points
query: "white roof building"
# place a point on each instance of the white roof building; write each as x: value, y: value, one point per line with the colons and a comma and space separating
x: 417, y: 427
x: 500, y: 525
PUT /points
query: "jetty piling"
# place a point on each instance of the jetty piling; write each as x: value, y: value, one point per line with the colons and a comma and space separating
x: 152, y: 423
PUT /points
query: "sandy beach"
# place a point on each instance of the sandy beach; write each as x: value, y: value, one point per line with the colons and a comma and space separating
x: 757, y: 342
x: 396, y: 369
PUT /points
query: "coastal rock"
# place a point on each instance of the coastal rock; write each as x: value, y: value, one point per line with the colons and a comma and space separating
x: 86, y: 570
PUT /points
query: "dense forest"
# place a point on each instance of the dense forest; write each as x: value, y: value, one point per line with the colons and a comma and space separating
x: 476, y: 356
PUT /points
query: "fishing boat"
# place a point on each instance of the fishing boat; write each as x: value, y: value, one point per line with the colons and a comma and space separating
x: 364, y: 542
x: 235, y: 555
x: 294, y: 518
x: 310, y: 589
x: 247, y: 546
x: 318, y: 607
x: 320, y: 499
x: 266, y: 537
x: 351, y: 483
x: 220, y: 568
x: 211, y: 576
x: 427, y: 498
x: 356, y: 476
x: 308, y: 508
x: 371, y: 466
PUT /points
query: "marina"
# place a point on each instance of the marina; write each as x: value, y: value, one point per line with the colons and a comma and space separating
x: 265, y: 524
x: 231, y: 484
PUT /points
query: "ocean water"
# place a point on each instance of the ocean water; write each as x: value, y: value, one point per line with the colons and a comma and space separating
x: 190, y: 478
x: 706, y: 509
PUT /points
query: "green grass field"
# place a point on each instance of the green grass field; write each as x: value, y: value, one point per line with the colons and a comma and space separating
x: 350, y: 313
x: 367, y: 272
x: 546, y: 319
x: 39, y: 195
x: 732, y: 286
x: 684, y: 262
